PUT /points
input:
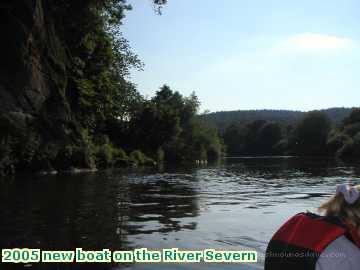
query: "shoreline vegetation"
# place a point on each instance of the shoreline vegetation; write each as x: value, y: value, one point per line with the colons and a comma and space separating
x: 314, y: 135
x: 67, y: 102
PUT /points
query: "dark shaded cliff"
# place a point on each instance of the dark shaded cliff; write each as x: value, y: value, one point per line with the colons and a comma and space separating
x: 37, y: 128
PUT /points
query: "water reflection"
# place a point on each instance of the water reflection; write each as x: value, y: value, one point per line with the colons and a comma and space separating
x: 167, y: 199
x: 92, y: 211
x: 230, y: 206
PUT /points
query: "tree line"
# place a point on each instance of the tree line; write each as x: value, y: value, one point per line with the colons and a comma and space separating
x: 223, y: 119
x: 314, y: 135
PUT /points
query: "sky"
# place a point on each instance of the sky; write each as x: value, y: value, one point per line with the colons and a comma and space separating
x: 250, y: 54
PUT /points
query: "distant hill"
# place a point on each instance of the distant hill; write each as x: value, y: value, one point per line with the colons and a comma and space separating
x: 242, y: 117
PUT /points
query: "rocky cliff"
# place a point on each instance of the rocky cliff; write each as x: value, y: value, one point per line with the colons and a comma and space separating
x: 37, y: 128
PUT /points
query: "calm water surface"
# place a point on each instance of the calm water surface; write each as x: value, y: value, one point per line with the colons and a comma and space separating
x: 236, y: 205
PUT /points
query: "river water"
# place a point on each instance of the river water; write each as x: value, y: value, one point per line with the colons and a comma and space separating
x: 234, y: 205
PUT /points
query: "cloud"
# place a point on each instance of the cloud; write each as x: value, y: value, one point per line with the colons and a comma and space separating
x: 314, y: 42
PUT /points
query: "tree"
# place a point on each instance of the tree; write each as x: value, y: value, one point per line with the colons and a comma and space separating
x: 202, y: 141
x: 268, y: 136
x: 353, y: 118
x: 336, y: 141
x: 351, y: 124
x: 311, y: 134
x: 169, y: 122
x: 347, y: 141
x: 256, y: 138
x: 251, y: 142
x: 234, y: 139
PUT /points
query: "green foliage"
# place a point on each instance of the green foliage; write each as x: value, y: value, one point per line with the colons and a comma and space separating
x: 346, y: 142
x: 222, y: 120
x: 311, y: 134
x: 351, y: 129
x: 27, y: 147
x: 20, y: 151
x: 234, y: 139
x: 106, y: 155
x: 268, y: 136
x: 119, y: 153
x: 103, y: 155
x: 100, y: 59
x: 336, y: 141
x: 160, y: 155
x: 351, y: 148
x: 314, y: 135
x: 357, y: 143
x: 105, y: 102
x: 137, y: 156
x: 141, y: 159
x: 97, y: 90
x: 203, y: 141
x: 347, y: 150
x: 7, y: 160
x: 169, y: 122
x: 281, y: 147
x: 353, y: 118
x: 256, y: 138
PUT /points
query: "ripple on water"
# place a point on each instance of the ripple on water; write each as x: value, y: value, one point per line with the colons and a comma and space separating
x: 244, y: 242
x: 231, y: 206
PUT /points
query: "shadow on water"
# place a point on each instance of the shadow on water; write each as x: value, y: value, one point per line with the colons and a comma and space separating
x: 234, y: 205
x: 93, y: 211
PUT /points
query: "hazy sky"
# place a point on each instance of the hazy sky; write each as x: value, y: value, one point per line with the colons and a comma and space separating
x: 250, y: 54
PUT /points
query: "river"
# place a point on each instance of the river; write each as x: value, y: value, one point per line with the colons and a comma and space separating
x: 234, y: 205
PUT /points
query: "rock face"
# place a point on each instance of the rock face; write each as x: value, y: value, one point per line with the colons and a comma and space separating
x: 37, y: 129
